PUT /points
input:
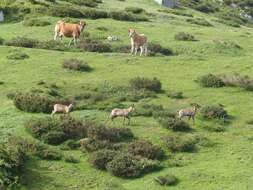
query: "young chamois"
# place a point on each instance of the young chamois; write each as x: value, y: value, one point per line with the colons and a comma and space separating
x: 138, y: 41
x: 122, y: 113
x: 69, y: 30
x: 59, y: 108
x: 189, y: 112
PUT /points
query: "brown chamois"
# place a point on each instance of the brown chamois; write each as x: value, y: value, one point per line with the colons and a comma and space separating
x: 59, y: 108
x: 122, y: 113
x: 189, y: 112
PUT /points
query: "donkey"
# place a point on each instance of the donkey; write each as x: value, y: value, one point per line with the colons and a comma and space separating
x: 138, y: 41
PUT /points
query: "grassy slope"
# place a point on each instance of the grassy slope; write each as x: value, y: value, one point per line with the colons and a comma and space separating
x: 227, y: 165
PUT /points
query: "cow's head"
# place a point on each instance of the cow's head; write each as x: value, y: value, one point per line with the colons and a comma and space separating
x: 131, y: 32
x: 82, y: 24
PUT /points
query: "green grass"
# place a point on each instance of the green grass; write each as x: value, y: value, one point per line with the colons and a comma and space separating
x: 227, y: 165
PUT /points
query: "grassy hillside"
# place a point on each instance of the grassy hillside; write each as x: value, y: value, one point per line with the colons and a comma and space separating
x: 222, y: 161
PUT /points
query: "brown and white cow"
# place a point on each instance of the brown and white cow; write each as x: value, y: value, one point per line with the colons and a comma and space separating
x: 138, y: 41
x: 69, y: 30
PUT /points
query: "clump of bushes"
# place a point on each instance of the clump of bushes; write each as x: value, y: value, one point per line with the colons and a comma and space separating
x: 76, y: 64
x: 156, y: 48
x: 145, y: 149
x: 210, y: 80
x: 17, y: 55
x: 175, y: 94
x: 214, y: 112
x: 71, y: 159
x: 176, y: 12
x: 101, y: 158
x: 180, y: 143
x: 167, y: 180
x: 183, y: 36
x: 135, y: 10
x: 139, y: 83
x: 22, y: 42
x: 174, y: 124
x: 206, y: 7
x: 31, y: 102
x: 125, y: 16
x: 199, y: 21
x: 35, y: 22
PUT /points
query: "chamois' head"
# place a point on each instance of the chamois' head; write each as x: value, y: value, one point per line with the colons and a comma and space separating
x: 82, y: 24
x: 131, y: 108
x: 71, y: 106
x: 131, y: 32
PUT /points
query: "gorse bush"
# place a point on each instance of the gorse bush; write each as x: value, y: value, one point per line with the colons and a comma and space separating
x: 139, y: 83
x: 206, y: 7
x: 101, y: 158
x: 75, y: 64
x: 125, y: 16
x: 180, y: 143
x: 22, y: 42
x: 145, y: 149
x: 175, y: 94
x: 35, y: 22
x: 214, y: 112
x: 167, y: 180
x: 71, y: 159
x: 183, y: 36
x: 156, y: 48
x: 174, y: 124
x: 31, y: 102
x: 199, y: 21
x: 134, y: 10
x: 210, y: 80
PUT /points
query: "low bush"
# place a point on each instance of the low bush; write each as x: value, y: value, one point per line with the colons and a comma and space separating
x: 135, y: 10
x: 31, y: 102
x: 199, y: 21
x: 206, y: 7
x: 167, y: 180
x: 180, y: 143
x: 128, y: 166
x: 17, y: 55
x: 91, y: 145
x: 71, y: 159
x: 35, y: 22
x: 101, y: 158
x: 175, y: 94
x: 145, y: 149
x: 176, y: 12
x: 65, y: 11
x: 183, y: 36
x: 175, y: 124
x: 125, y: 16
x: 54, y: 137
x: 49, y: 154
x: 210, y: 80
x: 214, y: 112
x: 76, y: 64
x: 156, y: 48
x: 22, y: 42
x: 139, y: 83
x: 70, y: 145
x: 94, y: 46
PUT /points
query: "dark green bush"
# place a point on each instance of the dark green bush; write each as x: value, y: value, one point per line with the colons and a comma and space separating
x: 125, y: 16
x: 91, y: 145
x: 183, y: 36
x: 101, y: 158
x: 175, y: 124
x: 30, y: 102
x: 54, y: 137
x: 206, y: 7
x: 22, y: 42
x: 139, y: 83
x: 134, y: 10
x: 175, y: 94
x: 145, y: 149
x: 167, y: 180
x: 71, y: 159
x: 199, y: 21
x: 180, y: 143
x: 65, y: 11
x: 214, y: 112
x: 70, y: 145
x: 76, y: 64
x: 35, y: 22
x: 210, y: 80
x: 17, y: 55
x: 156, y: 48
x: 94, y: 14
x: 49, y: 154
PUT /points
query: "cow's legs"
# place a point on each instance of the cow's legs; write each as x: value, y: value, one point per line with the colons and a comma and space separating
x: 71, y: 41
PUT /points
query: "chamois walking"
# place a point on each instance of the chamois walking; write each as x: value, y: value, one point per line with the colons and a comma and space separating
x: 59, y: 108
x: 122, y: 113
x: 138, y: 41
x: 189, y: 112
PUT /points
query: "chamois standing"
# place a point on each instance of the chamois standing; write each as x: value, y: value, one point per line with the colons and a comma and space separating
x: 122, y: 113
x: 69, y: 30
x: 59, y: 108
x: 189, y: 112
x: 138, y: 41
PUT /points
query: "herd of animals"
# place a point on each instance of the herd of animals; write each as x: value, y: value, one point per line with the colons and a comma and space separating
x: 138, y: 41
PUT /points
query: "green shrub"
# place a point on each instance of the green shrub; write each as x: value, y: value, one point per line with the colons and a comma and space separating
x: 125, y: 16
x: 70, y: 145
x: 76, y: 64
x: 145, y: 149
x: 139, y: 83
x: 17, y: 55
x: 49, y: 154
x: 94, y: 14
x: 167, y: 180
x: 206, y: 7
x: 22, y: 42
x: 94, y: 46
x: 199, y: 21
x: 101, y: 158
x: 175, y: 124
x: 183, y: 36
x: 134, y: 10
x: 156, y: 48
x: 65, y: 11
x: 54, y: 137
x: 71, y: 159
x: 210, y: 80
x: 175, y: 94
x: 35, y: 103
x: 35, y: 22
x: 180, y: 143
x: 214, y: 112
x: 1, y: 41
x: 91, y: 145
